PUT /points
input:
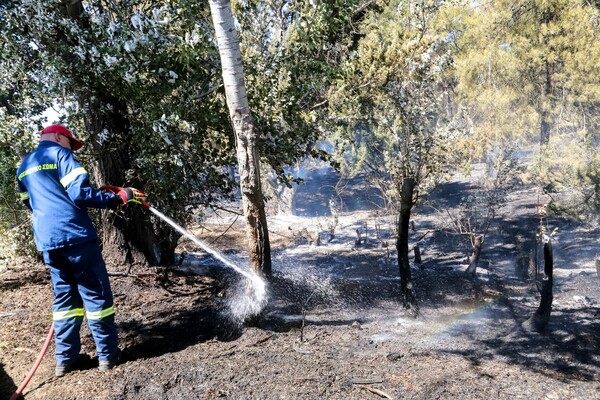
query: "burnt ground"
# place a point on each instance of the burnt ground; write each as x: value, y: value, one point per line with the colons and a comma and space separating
x: 334, y: 327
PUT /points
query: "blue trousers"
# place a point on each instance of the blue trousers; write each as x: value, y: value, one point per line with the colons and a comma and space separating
x: 81, y: 287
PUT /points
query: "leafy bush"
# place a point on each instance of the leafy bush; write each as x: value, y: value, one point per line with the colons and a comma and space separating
x: 15, y: 220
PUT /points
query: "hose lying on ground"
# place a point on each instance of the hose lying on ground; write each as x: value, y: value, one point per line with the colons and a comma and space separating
x: 17, y: 393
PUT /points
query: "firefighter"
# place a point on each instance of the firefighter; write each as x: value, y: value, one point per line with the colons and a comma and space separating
x: 56, y: 188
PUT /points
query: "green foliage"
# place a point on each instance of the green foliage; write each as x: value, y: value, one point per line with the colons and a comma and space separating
x: 15, y: 222
x: 292, y: 51
x: 148, y: 67
x: 23, y: 97
x: 568, y: 170
x: 163, y: 65
x: 525, y: 69
x: 526, y: 72
x: 404, y: 89
x: 389, y: 104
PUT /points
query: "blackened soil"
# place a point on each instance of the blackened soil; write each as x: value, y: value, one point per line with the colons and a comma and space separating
x: 334, y: 327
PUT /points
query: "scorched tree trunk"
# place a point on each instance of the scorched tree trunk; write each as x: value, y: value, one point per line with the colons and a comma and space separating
x: 474, y: 260
x: 540, y: 318
x: 409, y: 300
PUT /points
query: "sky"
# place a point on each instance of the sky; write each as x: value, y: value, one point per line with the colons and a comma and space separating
x: 51, y: 116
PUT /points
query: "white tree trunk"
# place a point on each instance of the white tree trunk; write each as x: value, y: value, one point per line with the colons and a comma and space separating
x: 246, y: 135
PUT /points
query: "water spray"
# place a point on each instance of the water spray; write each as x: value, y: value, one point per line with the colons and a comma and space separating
x: 244, y: 306
x: 254, y: 293
x: 254, y: 298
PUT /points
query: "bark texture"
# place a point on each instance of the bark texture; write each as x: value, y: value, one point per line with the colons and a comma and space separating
x: 409, y: 299
x: 546, y: 87
x: 417, y: 251
x: 128, y: 236
x: 540, y: 318
x: 474, y: 260
x: 246, y: 136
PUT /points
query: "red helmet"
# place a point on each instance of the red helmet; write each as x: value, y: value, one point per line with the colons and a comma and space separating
x: 75, y: 143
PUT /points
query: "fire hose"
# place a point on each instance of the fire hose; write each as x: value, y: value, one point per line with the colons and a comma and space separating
x: 19, y: 390
x: 146, y: 205
x: 37, y: 363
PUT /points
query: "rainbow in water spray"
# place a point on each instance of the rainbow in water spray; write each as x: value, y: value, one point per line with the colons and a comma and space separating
x: 245, y: 303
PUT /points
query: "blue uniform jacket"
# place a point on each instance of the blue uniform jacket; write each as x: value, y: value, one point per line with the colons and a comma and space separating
x: 57, y: 189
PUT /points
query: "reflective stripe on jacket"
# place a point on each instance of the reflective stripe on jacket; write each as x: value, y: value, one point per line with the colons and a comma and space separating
x: 57, y: 189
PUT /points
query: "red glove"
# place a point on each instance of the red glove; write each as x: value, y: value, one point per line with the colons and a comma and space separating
x: 131, y: 195
x: 127, y: 194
